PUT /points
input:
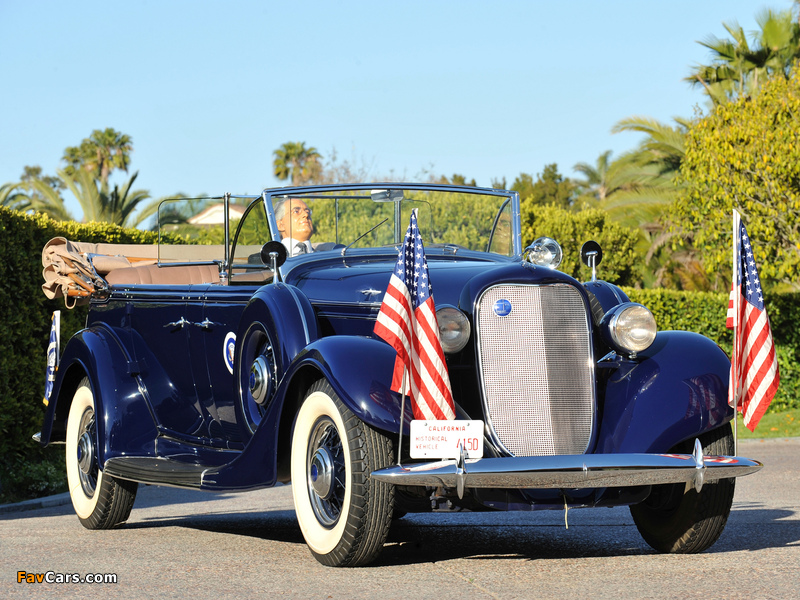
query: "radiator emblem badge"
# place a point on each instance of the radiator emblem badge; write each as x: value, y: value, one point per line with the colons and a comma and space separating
x: 502, y: 307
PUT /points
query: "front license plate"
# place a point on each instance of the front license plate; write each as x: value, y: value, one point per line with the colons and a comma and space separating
x: 441, y: 439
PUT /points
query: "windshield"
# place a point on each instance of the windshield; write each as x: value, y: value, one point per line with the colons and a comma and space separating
x: 371, y: 218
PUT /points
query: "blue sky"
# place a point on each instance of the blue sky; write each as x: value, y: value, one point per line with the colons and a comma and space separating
x: 208, y: 90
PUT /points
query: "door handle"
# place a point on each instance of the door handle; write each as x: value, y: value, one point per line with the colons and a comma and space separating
x: 178, y: 324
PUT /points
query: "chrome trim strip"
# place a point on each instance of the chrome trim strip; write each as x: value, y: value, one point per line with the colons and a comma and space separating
x: 334, y: 305
x: 516, y: 224
x: 166, y: 265
x: 571, y: 471
x: 293, y: 292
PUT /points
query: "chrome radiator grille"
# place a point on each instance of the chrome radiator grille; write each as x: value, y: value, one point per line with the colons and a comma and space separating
x: 536, y: 368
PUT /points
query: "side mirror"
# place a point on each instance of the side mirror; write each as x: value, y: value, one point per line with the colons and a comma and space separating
x: 591, y: 255
x: 274, y: 254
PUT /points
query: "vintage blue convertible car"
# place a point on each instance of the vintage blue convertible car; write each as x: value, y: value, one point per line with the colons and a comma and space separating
x: 251, y: 360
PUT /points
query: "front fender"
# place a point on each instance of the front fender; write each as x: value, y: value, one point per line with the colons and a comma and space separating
x: 672, y: 392
x: 360, y: 371
x: 124, y: 422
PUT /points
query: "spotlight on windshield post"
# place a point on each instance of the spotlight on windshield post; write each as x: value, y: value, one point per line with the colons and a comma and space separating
x: 544, y: 252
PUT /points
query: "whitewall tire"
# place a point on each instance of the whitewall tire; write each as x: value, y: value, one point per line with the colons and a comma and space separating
x: 344, y: 514
x: 101, y: 502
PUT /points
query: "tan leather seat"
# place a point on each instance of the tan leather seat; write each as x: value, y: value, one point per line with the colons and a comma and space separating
x: 165, y: 275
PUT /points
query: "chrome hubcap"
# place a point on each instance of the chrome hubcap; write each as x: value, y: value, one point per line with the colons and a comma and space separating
x: 326, y: 472
x: 321, y: 473
x: 85, y: 453
x: 259, y: 379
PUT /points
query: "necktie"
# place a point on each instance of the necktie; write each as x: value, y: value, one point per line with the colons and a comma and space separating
x: 301, y: 248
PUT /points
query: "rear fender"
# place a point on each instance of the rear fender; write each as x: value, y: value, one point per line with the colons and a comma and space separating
x: 125, y: 423
x: 287, y: 315
x: 674, y: 391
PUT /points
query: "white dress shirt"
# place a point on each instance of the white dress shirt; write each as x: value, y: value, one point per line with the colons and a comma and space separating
x: 294, y: 247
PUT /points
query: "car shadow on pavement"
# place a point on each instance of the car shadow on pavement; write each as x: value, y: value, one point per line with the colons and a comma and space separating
x: 425, y: 540
x: 277, y: 525
x: 754, y: 528
x: 147, y: 496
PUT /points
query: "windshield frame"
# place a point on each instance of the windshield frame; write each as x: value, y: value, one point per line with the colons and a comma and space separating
x: 270, y: 195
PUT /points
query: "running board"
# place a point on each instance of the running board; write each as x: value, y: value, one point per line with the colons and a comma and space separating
x: 159, y: 471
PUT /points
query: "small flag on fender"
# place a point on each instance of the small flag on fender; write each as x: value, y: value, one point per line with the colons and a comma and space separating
x: 407, y: 321
x: 53, y: 353
x: 754, y: 373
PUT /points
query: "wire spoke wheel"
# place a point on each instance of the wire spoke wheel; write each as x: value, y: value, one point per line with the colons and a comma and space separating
x: 344, y: 514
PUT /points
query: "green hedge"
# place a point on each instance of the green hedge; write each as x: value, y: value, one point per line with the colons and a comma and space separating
x: 704, y: 312
x: 28, y: 471
x: 25, y: 469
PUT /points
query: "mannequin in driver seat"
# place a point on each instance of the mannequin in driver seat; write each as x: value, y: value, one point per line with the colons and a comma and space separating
x: 295, y: 225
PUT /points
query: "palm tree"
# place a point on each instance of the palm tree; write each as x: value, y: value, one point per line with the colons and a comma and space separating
x: 25, y: 195
x: 101, y: 203
x: 637, y: 188
x: 100, y: 154
x: 47, y: 199
x: 12, y: 196
x: 738, y: 68
x: 98, y: 201
x: 651, y: 171
x: 36, y: 195
x: 664, y: 146
x: 605, y: 178
x: 294, y: 160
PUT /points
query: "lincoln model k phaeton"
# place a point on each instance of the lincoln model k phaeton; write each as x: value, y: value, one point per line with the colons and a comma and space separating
x: 249, y: 358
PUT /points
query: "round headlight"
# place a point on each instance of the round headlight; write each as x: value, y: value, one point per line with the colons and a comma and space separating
x: 630, y: 327
x: 454, y: 329
x: 545, y: 252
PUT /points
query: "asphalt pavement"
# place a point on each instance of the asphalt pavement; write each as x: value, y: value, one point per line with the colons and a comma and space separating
x: 181, y: 544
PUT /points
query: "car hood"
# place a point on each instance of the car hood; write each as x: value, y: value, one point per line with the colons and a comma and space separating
x: 365, y: 281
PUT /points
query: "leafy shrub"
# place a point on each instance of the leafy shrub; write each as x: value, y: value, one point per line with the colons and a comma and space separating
x: 704, y: 312
x: 571, y: 229
x: 746, y: 155
x: 24, y: 332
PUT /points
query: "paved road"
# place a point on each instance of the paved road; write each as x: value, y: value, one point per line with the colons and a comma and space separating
x: 182, y: 544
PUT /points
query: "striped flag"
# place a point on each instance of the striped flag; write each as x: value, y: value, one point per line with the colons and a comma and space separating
x: 53, y: 349
x: 407, y: 321
x: 754, y: 366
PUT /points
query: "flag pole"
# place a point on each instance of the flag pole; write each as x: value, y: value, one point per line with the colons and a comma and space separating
x: 402, y: 415
x: 734, y: 383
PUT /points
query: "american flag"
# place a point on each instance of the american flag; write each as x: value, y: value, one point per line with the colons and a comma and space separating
x: 53, y: 349
x: 407, y: 321
x: 754, y: 365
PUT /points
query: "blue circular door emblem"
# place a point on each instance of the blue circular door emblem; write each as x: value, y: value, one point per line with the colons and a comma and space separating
x: 502, y: 307
x: 228, y: 349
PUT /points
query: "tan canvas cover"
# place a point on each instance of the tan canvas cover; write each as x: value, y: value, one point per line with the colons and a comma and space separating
x: 74, y: 270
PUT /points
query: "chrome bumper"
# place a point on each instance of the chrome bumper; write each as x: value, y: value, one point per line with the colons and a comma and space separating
x: 571, y: 471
